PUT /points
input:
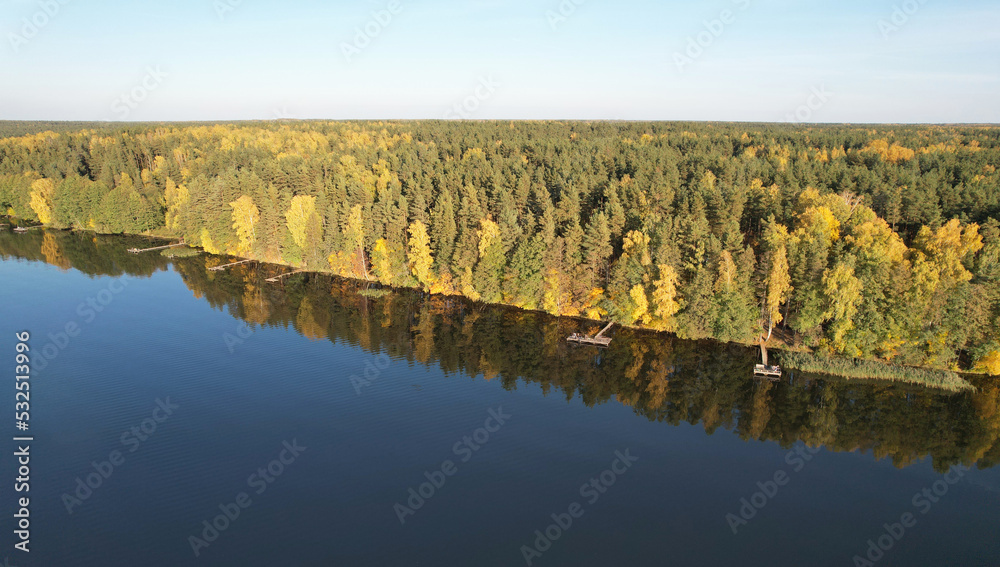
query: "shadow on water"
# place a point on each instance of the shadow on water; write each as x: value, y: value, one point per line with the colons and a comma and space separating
x: 663, y: 379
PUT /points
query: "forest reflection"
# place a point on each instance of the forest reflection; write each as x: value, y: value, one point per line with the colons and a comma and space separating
x: 661, y: 378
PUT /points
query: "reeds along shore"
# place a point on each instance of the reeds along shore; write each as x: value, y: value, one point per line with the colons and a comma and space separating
x: 875, y: 370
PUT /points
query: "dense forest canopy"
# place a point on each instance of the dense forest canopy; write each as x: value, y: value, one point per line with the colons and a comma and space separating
x: 865, y: 241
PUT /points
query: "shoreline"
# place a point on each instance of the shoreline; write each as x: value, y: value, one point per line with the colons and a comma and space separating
x: 801, y: 360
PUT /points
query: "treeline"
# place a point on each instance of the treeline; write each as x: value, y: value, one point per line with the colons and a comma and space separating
x: 663, y: 379
x: 870, y: 242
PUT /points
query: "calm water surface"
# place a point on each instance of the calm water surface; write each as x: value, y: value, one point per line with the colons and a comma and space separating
x: 318, y: 409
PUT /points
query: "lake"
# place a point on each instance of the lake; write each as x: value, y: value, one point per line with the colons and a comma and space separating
x: 182, y: 416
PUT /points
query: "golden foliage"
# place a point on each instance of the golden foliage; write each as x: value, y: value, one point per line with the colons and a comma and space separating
x: 636, y: 246
x: 465, y: 284
x: 297, y: 218
x: 381, y: 263
x: 351, y: 261
x: 474, y: 153
x: 177, y: 197
x: 990, y: 363
x: 894, y: 153
x: 640, y: 311
x: 877, y: 240
x: 948, y: 246
x: 342, y: 263
x: 819, y: 222
x: 779, y: 286
x: 443, y: 285
x: 419, y: 254
x: 488, y: 233
x: 206, y: 242
x: 555, y: 299
x: 665, y: 300
x: 843, y: 293
x: 245, y: 219
x: 591, y: 307
x: 42, y: 191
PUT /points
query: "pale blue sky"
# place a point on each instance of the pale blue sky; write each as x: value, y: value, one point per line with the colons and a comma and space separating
x: 606, y: 59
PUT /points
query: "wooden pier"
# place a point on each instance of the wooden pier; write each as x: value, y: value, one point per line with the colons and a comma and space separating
x: 137, y: 250
x: 23, y: 229
x: 595, y: 340
x: 224, y: 266
x: 765, y: 370
x: 278, y: 277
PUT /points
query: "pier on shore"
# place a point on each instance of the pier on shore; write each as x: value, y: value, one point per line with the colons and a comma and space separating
x: 597, y: 339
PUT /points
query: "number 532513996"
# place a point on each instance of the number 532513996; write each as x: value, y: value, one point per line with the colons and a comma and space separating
x: 22, y: 398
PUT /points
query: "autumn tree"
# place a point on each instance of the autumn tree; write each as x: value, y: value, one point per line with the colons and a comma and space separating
x: 297, y: 218
x: 666, y: 301
x: 419, y: 254
x: 42, y: 191
x: 246, y: 216
x: 777, y: 283
x: 489, y: 269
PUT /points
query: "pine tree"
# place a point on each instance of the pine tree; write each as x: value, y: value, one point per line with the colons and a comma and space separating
x: 489, y: 269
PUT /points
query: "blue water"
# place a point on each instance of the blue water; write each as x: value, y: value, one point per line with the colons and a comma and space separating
x: 242, y: 397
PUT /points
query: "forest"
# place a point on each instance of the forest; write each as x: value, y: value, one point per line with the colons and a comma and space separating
x: 662, y: 378
x: 868, y: 242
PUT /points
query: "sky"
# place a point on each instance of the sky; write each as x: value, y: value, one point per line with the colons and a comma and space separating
x: 881, y: 61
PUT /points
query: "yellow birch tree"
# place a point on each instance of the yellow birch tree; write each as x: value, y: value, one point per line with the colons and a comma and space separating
x: 245, y: 219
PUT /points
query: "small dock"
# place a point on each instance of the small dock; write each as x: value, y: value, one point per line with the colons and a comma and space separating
x: 23, y: 229
x: 597, y: 339
x: 277, y: 278
x: 224, y: 266
x: 138, y: 251
x: 765, y: 370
